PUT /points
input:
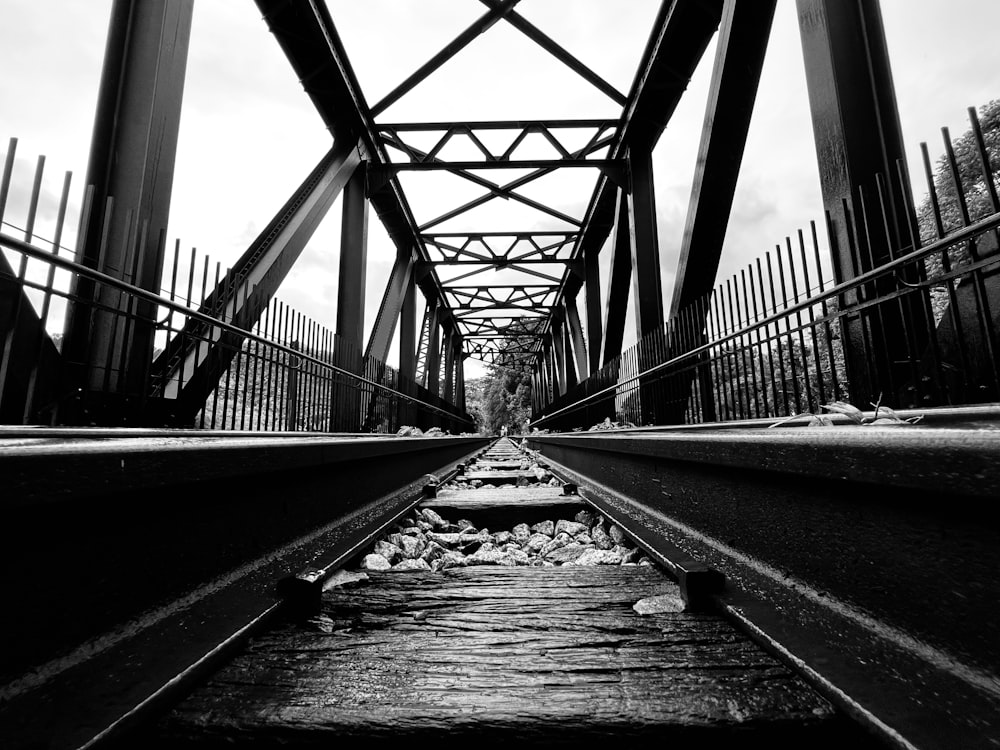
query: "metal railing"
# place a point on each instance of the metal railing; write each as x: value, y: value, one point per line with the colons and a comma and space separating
x: 781, y: 338
x: 279, y: 372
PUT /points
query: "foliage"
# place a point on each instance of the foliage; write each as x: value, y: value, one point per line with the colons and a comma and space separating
x: 974, y: 188
x: 506, y: 401
x: 474, y: 399
x: 970, y: 171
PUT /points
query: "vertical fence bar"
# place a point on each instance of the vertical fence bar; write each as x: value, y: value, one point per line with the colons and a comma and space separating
x: 17, y: 296
x: 729, y: 320
x: 43, y: 315
x: 757, y: 389
x: 127, y: 240
x: 798, y: 323
x: 8, y: 170
x: 777, y: 337
x: 834, y: 375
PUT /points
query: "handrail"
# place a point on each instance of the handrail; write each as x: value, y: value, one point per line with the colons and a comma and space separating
x: 967, y: 233
x: 48, y: 257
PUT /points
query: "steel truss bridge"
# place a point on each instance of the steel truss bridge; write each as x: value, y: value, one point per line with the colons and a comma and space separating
x: 221, y: 387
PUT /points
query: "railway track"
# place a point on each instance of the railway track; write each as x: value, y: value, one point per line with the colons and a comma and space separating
x: 852, y: 567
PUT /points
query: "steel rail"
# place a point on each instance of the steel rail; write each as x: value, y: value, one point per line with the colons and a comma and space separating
x: 68, y: 265
x: 141, y: 647
x: 963, y: 235
x: 856, y: 555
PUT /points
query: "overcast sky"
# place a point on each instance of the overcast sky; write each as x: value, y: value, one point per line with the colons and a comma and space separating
x: 249, y: 134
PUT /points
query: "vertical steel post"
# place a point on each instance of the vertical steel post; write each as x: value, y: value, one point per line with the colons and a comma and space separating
x: 292, y: 390
x: 132, y: 155
x: 380, y: 338
x: 543, y: 377
x: 353, y: 260
x: 559, y: 358
x: 459, y: 374
x: 408, y: 332
x: 351, y: 290
x: 646, y: 287
x: 858, y: 136
x: 616, y: 306
x: 739, y: 58
x: 592, y: 290
x: 569, y: 360
x: 434, y: 349
x: 574, y: 328
x: 448, y: 344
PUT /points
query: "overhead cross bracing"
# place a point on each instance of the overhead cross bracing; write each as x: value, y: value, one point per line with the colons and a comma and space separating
x: 503, y: 213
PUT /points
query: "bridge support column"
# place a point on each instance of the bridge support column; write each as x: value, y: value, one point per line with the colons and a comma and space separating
x: 592, y: 290
x: 646, y: 286
x: 647, y: 295
x: 449, y: 366
x: 408, y: 332
x: 569, y: 361
x: 460, y: 376
x: 543, y: 377
x: 108, y: 347
x: 575, y: 329
x: 353, y: 261
x: 408, y: 350
x: 351, y: 297
x: 433, y: 366
x: 858, y: 136
x: 616, y: 304
x: 554, y: 376
x: 543, y: 383
x: 558, y: 359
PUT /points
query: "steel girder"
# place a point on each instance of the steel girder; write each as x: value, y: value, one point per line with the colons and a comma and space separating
x: 310, y: 41
x: 532, y: 32
x: 574, y: 329
x: 432, y: 368
x: 396, y: 289
x: 592, y: 297
x: 618, y: 284
x: 189, y: 368
x: 448, y: 348
x: 352, y: 279
x: 647, y: 294
x: 680, y: 34
x: 679, y: 38
x: 859, y: 144
x: 132, y: 154
x: 407, y: 330
x: 739, y: 58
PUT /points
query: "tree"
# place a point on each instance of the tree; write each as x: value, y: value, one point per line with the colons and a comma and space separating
x: 970, y: 170
x: 506, y: 400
